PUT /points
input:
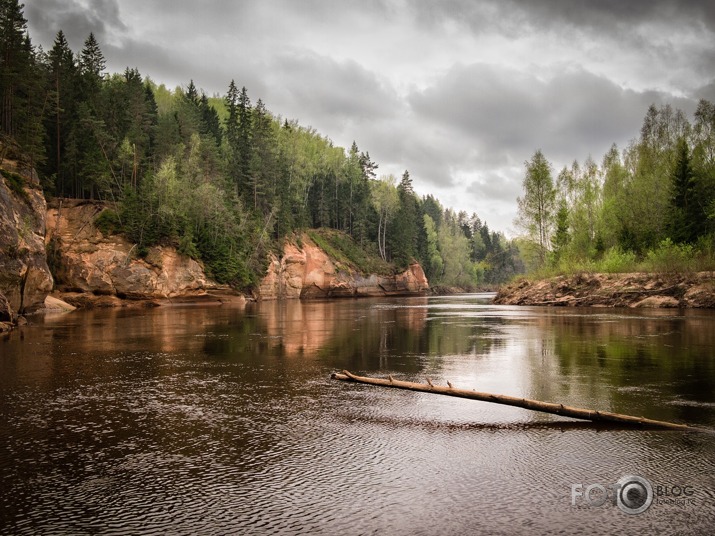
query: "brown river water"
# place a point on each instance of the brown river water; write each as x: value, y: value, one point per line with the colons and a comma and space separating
x: 219, y: 420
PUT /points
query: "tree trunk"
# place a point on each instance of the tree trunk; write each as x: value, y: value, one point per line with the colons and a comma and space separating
x: 546, y: 407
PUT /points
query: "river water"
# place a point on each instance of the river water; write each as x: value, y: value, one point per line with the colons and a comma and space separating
x: 219, y: 420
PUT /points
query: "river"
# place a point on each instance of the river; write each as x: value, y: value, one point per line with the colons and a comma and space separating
x: 219, y: 420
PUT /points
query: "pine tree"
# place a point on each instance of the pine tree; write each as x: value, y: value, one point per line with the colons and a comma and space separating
x: 404, y: 243
x: 243, y: 143
x: 91, y: 59
x: 561, y: 236
x: 21, y: 95
x: 63, y: 84
x: 192, y: 94
x: 686, y: 216
x: 211, y: 125
x: 238, y: 137
x: 262, y: 174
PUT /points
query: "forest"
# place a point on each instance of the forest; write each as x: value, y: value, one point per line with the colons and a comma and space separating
x: 222, y: 178
x: 649, y: 207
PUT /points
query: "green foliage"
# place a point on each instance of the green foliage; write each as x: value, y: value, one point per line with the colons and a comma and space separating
x: 686, y: 215
x: 435, y: 265
x: 404, y: 237
x: 108, y: 222
x: 670, y: 257
x: 187, y: 246
x: 342, y: 248
x: 615, y: 260
x: 646, y: 209
x: 536, y: 208
x: 16, y: 183
x: 561, y: 237
x: 459, y: 270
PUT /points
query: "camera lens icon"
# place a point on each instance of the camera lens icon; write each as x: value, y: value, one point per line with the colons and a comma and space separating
x: 635, y: 494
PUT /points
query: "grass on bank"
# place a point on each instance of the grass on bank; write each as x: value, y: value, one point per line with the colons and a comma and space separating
x: 344, y: 250
x: 667, y: 257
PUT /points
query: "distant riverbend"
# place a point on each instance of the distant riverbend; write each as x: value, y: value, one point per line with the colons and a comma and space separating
x: 656, y: 290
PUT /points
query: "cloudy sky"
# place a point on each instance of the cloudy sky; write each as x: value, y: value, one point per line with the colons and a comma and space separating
x: 458, y: 92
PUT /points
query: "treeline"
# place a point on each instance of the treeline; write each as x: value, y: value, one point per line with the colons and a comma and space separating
x: 650, y: 206
x: 220, y: 177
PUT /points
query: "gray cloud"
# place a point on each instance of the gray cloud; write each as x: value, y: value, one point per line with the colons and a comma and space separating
x: 337, y: 93
x: 506, y: 115
x: 606, y: 15
x: 47, y: 17
x: 602, y: 16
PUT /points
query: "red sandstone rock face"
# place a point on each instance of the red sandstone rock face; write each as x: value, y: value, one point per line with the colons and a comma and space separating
x: 308, y: 272
x: 92, y: 263
x: 25, y: 278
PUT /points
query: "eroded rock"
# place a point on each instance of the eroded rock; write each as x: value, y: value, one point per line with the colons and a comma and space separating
x: 99, y: 271
x: 25, y: 278
x: 308, y: 272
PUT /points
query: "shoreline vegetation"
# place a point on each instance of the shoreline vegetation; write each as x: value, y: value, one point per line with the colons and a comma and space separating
x: 619, y: 229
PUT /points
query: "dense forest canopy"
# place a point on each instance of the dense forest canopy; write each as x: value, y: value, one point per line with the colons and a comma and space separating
x: 223, y: 179
x: 654, y: 201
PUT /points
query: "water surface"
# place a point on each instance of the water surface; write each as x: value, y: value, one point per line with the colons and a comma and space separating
x: 213, y: 420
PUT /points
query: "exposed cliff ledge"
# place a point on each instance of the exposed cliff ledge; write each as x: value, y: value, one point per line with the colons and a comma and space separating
x: 614, y: 290
x: 25, y: 279
x: 97, y: 270
x: 306, y: 271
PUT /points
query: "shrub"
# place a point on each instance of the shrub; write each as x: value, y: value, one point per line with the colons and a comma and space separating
x: 108, y: 222
x: 615, y: 260
x: 670, y: 257
x: 16, y: 183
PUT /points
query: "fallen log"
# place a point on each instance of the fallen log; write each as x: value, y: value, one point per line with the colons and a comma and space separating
x: 536, y: 405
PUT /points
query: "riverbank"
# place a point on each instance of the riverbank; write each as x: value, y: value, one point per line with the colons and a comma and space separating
x: 655, y: 290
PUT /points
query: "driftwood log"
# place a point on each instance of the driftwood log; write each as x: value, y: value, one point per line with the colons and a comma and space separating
x: 546, y: 407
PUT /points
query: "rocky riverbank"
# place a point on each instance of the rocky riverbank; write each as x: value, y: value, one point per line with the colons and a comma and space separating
x: 614, y: 290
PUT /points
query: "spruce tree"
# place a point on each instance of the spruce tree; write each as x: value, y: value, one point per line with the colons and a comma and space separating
x: 243, y: 143
x: 262, y: 173
x: 686, y: 215
x: 22, y: 94
x: 91, y: 59
x: 211, y: 125
x: 404, y: 243
x: 61, y: 121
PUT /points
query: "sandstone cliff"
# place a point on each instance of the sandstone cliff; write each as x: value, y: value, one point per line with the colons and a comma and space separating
x: 25, y: 278
x: 614, y: 290
x: 97, y: 270
x: 306, y: 271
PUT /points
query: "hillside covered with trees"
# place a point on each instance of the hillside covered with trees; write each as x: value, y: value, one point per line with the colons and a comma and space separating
x: 221, y: 177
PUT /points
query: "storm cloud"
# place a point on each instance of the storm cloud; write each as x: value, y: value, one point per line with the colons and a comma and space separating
x: 460, y: 93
